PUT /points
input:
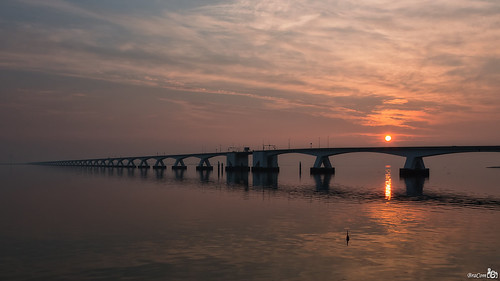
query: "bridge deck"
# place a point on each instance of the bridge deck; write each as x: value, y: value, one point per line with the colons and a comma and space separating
x: 266, y: 160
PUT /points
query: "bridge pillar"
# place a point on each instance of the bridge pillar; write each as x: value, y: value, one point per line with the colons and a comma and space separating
x: 322, y: 165
x: 109, y: 163
x: 265, y: 161
x: 144, y: 164
x: 237, y: 161
x: 179, y: 164
x: 159, y: 164
x: 204, y: 165
x: 130, y: 163
x: 119, y: 163
x: 414, y: 166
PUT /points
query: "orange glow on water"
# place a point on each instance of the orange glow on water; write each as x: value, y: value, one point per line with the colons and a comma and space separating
x: 388, y: 183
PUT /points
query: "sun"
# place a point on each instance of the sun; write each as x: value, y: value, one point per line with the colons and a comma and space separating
x: 388, y: 138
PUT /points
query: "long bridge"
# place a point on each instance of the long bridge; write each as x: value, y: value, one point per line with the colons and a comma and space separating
x: 267, y: 160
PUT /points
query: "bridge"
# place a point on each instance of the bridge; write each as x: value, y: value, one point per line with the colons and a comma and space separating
x: 267, y: 160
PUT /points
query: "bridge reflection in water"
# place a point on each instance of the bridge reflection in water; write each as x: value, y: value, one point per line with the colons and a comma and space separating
x: 322, y: 182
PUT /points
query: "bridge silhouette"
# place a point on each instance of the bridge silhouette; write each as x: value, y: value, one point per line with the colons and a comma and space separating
x: 267, y: 160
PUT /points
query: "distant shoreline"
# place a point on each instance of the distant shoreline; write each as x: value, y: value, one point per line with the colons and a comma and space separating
x: 494, y: 167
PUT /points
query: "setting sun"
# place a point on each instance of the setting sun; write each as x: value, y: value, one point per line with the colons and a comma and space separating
x: 388, y: 138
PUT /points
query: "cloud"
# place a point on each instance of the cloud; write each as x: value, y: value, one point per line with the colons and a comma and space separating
x: 396, y: 101
x: 375, y: 63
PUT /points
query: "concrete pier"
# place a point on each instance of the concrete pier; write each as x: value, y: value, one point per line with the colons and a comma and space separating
x: 179, y: 167
x: 414, y: 166
x: 179, y: 164
x: 322, y: 165
x: 204, y: 168
x: 265, y: 169
x: 159, y: 167
x: 237, y: 161
x: 265, y: 161
x: 204, y: 165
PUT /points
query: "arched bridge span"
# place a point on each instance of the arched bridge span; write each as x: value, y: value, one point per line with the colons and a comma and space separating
x: 414, y: 164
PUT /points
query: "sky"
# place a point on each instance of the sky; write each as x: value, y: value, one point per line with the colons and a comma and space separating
x: 84, y: 79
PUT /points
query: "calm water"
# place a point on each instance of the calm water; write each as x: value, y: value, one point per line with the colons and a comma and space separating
x: 111, y: 224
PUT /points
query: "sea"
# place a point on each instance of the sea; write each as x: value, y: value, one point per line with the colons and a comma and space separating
x: 94, y: 223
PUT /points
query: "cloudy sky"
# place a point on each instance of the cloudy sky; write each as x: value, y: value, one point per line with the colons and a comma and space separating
x: 99, y: 78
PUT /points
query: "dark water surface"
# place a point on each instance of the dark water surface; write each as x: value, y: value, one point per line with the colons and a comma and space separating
x: 63, y: 223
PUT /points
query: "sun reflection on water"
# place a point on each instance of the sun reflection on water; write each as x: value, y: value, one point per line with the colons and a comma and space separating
x: 388, y: 182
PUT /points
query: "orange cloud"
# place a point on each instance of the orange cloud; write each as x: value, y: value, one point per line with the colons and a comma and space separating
x: 395, y: 117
